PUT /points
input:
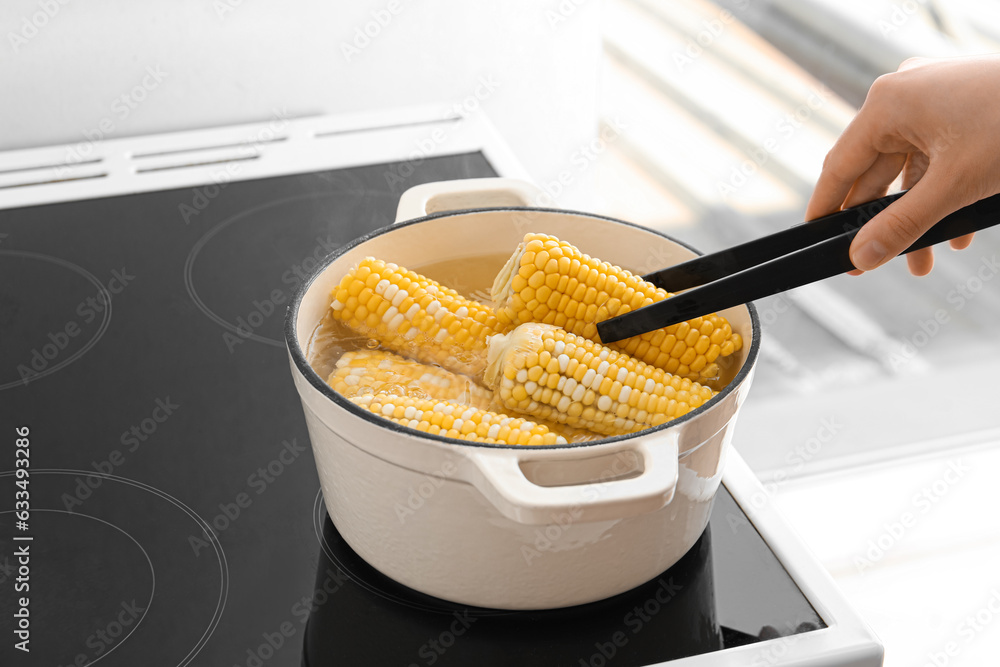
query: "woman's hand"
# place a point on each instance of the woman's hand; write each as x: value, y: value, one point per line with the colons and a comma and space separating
x: 936, y: 121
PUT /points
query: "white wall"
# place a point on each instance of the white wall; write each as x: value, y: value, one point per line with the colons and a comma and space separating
x: 64, y: 68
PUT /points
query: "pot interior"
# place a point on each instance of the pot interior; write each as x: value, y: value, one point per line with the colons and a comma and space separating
x: 495, y: 233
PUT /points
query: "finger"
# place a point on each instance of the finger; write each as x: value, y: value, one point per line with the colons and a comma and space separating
x: 850, y: 157
x: 916, y: 61
x: 903, y: 222
x: 920, y: 262
x: 961, y: 242
x: 914, y: 169
x: 875, y: 182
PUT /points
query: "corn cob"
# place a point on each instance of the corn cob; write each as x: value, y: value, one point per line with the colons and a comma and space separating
x: 543, y: 371
x: 570, y: 433
x: 551, y: 281
x: 368, y: 372
x: 415, y: 316
x: 458, y: 421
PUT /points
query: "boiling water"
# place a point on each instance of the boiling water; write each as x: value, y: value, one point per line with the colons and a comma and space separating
x: 470, y: 276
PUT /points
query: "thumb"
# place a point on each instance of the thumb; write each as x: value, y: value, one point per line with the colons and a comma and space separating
x: 896, y: 228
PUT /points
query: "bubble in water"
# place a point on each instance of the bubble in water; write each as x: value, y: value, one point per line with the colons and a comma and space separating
x: 372, y: 344
x: 367, y: 390
x: 417, y: 392
x: 392, y: 390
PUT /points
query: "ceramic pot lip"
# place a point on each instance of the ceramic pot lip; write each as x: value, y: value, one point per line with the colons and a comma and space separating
x: 302, y: 365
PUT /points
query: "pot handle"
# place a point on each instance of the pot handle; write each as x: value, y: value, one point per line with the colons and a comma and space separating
x: 421, y: 200
x: 502, y: 480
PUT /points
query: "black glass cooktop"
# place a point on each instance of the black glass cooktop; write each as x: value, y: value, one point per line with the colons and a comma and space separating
x: 728, y: 590
x: 170, y: 513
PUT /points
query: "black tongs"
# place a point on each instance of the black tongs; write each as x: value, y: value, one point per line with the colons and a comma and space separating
x: 797, y: 256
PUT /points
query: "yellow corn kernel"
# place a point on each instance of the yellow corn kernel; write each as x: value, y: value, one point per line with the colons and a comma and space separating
x: 594, y: 291
x: 458, y: 421
x: 372, y: 372
x: 423, y: 319
x: 569, y: 433
x: 615, y: 393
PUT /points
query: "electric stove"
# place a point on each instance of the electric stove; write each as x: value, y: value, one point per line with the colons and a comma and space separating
x: 160, y: 503
x: 702, y: 604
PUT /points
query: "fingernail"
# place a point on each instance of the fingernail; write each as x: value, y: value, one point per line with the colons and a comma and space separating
x: 869, y: 255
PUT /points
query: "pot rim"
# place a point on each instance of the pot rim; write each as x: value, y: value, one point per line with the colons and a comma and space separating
x: 302, y: 365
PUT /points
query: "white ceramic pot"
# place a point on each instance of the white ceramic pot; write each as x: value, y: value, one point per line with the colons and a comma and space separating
x: 511, y: 527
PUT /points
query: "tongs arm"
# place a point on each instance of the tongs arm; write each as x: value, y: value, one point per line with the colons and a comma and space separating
x: 771, y: 264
